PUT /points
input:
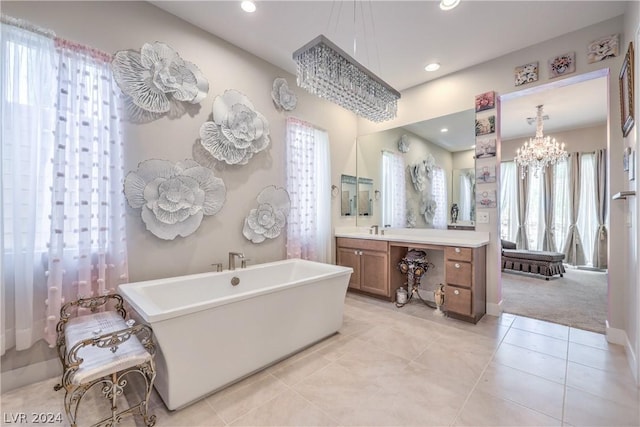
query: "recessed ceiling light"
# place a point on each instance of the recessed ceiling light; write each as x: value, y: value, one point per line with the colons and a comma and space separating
x: 443, y: 130
x: 473, y: 146
x: 249, y: 6
x: 432, y: 67
x: 448, y: 4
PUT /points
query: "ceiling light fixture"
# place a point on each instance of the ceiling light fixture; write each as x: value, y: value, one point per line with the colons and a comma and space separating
x: 248, y: 6
x: 449, y: 4
x: 432, y: 67
x: 327, y: 71
x: 443, y: 130
x: 539, y: 152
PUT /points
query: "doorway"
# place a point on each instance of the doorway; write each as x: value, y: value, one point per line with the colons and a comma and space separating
x: 578, y: 114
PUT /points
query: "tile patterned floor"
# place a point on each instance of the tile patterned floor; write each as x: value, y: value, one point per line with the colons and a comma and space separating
x: 407, y: 367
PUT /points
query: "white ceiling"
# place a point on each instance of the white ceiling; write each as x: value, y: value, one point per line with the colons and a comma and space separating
x: 396, y: 39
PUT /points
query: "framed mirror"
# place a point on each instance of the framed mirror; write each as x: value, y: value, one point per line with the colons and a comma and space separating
x: 348, y: 200
x: 463, y: 194
x: 365, y: 196
x: 414, y: 149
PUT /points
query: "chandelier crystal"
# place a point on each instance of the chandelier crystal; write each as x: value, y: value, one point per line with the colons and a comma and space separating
x: 325, y: 70
x: 540, y: 152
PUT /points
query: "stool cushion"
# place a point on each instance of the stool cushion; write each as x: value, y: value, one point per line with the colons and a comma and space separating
x: 99, y: 362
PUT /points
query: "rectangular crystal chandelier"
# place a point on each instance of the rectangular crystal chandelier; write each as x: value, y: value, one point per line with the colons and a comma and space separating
x: 327, y: 71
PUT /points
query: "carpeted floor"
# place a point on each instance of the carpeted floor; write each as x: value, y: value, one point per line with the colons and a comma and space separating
x: 579, y: 299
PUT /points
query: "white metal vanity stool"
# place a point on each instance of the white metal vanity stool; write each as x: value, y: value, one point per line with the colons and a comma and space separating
x: 101, y: 348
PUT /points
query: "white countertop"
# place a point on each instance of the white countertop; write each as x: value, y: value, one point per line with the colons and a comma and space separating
x: 469, y: 239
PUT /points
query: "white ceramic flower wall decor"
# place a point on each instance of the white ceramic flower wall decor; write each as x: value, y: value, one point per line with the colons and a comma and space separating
x: 283, y: 97
x: 174, y: 197
x: 156, y: 81
x: 267, y: 220
x: 429, y: 212
x: 403, y: 144
x: 237, y: 131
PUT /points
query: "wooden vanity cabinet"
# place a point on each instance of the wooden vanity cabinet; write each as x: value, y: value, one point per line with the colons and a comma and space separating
x: 370, y: 262
x: 465, y: 276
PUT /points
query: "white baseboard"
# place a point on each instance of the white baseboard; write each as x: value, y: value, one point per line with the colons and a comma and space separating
x: 494, y: 309
x: 619, y: 336
x: 30, y: 374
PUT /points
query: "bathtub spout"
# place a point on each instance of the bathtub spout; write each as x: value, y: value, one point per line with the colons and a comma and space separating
x: 232, y: 259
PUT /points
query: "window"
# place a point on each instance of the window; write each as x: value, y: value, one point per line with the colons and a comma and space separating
x: 63, y: 232
x: 439, y: 191
x: 587, y: 222
x: 393, y: 190
x: 309, y: 187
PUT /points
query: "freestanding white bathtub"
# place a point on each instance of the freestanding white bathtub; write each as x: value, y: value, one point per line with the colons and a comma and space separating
x: 211, y: 333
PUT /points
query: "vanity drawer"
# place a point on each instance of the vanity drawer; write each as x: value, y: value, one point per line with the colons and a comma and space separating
x: 458, y: 273
x: 365, y: 244
x: 457, y: 300
x: 458, y: 253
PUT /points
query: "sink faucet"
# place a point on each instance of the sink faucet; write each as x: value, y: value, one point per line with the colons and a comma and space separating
x: 232, y: 259
x: 374, y: 228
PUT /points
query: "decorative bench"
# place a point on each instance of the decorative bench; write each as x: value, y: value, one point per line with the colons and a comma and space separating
x: 544, y: 263
x: 101, y: 348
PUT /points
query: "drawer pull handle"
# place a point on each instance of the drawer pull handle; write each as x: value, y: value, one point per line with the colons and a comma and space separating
x: 356, y: 252
x: 456, y: 265
x: 456, y: 292
x: 457, y: 250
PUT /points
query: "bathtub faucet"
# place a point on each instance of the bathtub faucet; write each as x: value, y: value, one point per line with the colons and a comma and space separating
x: 232, y: 259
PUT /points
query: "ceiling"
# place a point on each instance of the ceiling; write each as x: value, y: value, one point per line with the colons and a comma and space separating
x: 396, y: 39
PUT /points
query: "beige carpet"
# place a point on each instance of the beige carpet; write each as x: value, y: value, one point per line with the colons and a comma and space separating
x: 579, y: 299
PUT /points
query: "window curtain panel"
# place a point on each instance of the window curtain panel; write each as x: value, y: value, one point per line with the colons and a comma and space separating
x: 522, y: 241
x: 28, y: 90
x: 561, y: 216
x: 465, y: 197
x: 439, y: 194
x: 393, y: 190
x: 508, y: 201
x: 600, y: 253
x: 309, y: 187
x: 548, y: 197
x: 87, y: 248
x: 573, y: 251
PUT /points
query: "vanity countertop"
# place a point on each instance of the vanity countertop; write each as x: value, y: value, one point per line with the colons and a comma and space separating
x: 468, y: 239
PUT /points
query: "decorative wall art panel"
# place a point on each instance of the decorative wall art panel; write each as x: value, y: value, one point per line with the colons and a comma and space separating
x: 485, y: 125
x: 526, y: 73
x: 283, y: 97
x: 485, y: 147
x: 156, y: 81
x: 485, y: 101
x: 603, y: 48
x: 174, y: 197
x: 485, y: 174
x: 562, y: 65
x: 267, y: 220
x: 237, y: 131
x: 486, y: 199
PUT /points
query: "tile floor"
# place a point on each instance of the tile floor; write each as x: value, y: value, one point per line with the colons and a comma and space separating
x: 407, y: 367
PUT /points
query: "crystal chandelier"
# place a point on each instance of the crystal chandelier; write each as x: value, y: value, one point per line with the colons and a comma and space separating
x: 539, y: 152
x: 327, y: 71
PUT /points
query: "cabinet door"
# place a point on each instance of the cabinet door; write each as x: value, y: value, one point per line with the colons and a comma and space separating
x: 457, y: 300
x: 374, y: 273
x: 348, y: 257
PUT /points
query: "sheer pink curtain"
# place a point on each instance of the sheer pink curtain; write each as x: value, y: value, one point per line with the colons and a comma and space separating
x: 309, y: 187
x: 87, y: 246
